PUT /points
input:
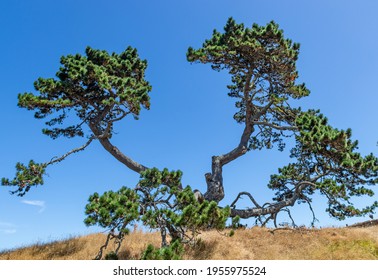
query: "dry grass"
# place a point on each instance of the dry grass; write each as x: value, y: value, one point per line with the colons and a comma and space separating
x: 302, y: 244
x: 255, y: 243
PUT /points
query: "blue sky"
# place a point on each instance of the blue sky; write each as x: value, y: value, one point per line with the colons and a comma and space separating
x: 191, y: 115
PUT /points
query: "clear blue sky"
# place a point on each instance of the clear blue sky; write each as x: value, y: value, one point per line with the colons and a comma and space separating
x: 191, y: 115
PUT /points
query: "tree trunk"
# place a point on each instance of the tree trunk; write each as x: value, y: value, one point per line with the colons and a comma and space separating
x: 114, y: 151
x: 214, y: 180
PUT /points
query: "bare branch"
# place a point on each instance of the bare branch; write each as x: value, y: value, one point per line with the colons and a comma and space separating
x: 59, y: 159
x: 103, y: 247
x: 247, y: 194
x: 272, y: 208
x: 314, y: 219
x: 275, y: 126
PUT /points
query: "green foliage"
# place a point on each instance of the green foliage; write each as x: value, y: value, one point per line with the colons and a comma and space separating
x: 235, y: 220
x: 111, y: 256
x: 327, y: 161
x: 261, y: 50
x: 26, y: 177
x: 173, y: 251
x: 113, y: 210
x: 100, y: 87
x: 165, y: 204
x: 262, y: 64
x: 160, y: 203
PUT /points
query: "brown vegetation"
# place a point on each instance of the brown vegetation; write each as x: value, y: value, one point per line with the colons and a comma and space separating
x: 255, y: 243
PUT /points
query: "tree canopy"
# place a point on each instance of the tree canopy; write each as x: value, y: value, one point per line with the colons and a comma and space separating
x: 97, y: 89
x: 101, y: 89
x: 262, y: 65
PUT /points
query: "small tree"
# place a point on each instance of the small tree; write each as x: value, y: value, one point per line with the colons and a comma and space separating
x: 159, y: 203
x: 101, y: 88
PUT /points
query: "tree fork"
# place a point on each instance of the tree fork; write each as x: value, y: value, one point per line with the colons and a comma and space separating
x: 214, y: 180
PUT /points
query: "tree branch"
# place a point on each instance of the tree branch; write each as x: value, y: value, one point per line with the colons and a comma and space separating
x: 59, y: 159
x: 278, y: 127
x: 273, y: 208
x: 247, y: 194
x: 114, y: 151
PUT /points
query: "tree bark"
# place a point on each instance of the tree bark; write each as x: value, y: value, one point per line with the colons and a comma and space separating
x: 262, y: 211
x: 271, y: 208
x: 214, y: 180
x: 114, y: 151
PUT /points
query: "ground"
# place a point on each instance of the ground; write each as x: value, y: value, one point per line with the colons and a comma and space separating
x: 356, y: 242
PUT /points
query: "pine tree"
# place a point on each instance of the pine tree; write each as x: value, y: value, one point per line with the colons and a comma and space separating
x: 99, y: 89
x: 262, y: 65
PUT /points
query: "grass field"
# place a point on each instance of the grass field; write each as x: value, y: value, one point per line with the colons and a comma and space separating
x: 255, y: 243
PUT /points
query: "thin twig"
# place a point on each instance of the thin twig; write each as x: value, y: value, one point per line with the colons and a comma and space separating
x: 59, y: 159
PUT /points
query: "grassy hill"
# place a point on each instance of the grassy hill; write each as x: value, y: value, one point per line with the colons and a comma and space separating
x: 256, y: 243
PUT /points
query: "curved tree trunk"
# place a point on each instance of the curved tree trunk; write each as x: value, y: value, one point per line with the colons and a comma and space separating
x: 214, y: 180
x: 114, y: 151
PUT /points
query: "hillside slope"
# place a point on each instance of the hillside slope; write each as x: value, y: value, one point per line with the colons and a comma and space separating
x: 256, y: 243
